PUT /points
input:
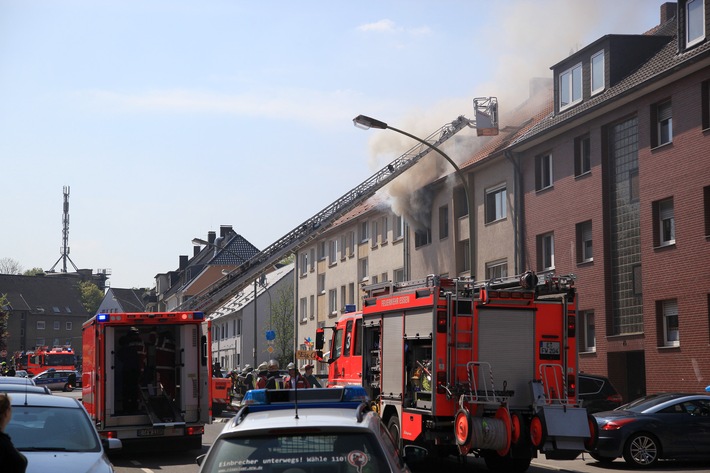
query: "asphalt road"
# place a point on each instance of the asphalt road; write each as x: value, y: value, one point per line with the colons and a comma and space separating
x: 184, y: 461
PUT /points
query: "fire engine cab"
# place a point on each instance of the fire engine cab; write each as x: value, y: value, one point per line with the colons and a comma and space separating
x: 463, y: 367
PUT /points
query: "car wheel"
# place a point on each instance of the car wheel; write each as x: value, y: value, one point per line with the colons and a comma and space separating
x: 67, y: 388
x: 393, y: 428
x: 642, y: 450
x: 601, y: 459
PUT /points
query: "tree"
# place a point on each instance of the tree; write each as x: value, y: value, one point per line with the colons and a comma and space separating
x: 4, y: 316
x: 10, y: 266
x: 282, y: 323
x: 33, y: 272
x: 91, y: 296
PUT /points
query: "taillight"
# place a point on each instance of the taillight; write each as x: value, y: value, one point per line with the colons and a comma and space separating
x: 441, y: 321
x: 616, y: 424
x: 614, y: 398
x: 571, y: 326
x: 571, y: 385
x: 195, y: 430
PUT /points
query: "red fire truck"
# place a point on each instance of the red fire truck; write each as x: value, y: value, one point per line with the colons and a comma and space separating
x: 44, y: 358
x: 461, y: 367
x: 147, y: 377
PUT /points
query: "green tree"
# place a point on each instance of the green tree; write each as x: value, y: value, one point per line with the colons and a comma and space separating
x: 33, y: 272
x: 91, y: 296
x: 281, y: 322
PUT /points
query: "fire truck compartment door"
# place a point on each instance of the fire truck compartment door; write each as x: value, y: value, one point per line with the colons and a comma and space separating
x: 506, y: 340
x: 411, y: 426
x: 109, y: 385
x: 392, y: 348
x: 189, y: 369
x: 418, y: 324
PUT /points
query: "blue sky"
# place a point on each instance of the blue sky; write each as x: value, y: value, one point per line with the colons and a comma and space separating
x: 169, y: 118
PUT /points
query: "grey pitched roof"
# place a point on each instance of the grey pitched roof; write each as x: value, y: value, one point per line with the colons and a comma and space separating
x: 665, y: 62
x: 235, y: 251
x: 43, y: 294
x: 130, y: 300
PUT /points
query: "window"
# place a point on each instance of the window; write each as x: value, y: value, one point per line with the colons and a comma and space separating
x: 664, y: 222
x: 351, y: 246
x: 321, y: 250
x: 321, y: 283
x: 68, y: 326
x: 303, y: 306
x: 343, y: 296
x: 584, y: 242
x: 706, y: 199
x: 311, y: 307
x: 694, y: 22
x: 375, y: 279
x: 582, y: 155
x: 543, y: 171
x: 496, y: 270
x: 496, y: 204
x: 312, y: 259
x: 546, y: 251
x: 443, y: 222
x: 634, y: 188
x: 239, y: 325
x: 362, y: 269
x: 465, y: 256
x: 662, y: 120
x: 343, y: 246
x: 40, y: 325
x: 304, y: 263
x: 571, y: 86
x: 587, y: 336
x: 333, y: 302
x: 57, y: 325
x: 333, y: 251
x: 398, y: 228
x: 669, y: 311
x: 637, y: 281
x: 705, y: 103
x: 422, y: 237
x: 460, y: 202
x: 384, y: 228
x: 399, y: 275
x: 351, y: 293
x: 597, y: 72
x: 374, y: 229
x: 364, y: 231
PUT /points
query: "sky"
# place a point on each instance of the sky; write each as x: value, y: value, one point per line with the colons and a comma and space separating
x: 169, y: 118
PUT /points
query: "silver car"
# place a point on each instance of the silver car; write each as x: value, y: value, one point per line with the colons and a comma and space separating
x: 55, y: 433
x: 306, y: 431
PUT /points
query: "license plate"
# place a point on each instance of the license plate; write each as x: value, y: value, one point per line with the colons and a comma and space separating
x: 150, y: 432
x: 549, y: 350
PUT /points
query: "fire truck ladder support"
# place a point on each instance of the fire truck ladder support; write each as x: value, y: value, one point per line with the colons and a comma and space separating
x: 486, y: 112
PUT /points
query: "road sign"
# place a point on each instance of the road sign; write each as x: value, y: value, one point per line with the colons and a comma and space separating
x: 306, y: 355
x: 270, y: 350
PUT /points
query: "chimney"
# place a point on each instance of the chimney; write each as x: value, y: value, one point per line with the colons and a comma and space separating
x: 211, y: 237
x: 196, y: 250
x: 183, y: 262
x: 668, y: 11
x: 225, y: 230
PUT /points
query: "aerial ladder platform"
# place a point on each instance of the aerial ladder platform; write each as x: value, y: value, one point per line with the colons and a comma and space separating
x: 486, y: 124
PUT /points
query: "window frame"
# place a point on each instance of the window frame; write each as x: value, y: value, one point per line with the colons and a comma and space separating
x: 570, y: 76
x: 543, y: 169
x: 587, y: 328
x: 443, y: 222
x: 669, y: 311
x: 697, y: 15
x: 662, y: 122
x: 496, y: 269
x: 582, y: 155
x: 546, y: 250
x: 496, y: 204
x: 585, y: 242
x: 664, y: 222
x: 595, y: 68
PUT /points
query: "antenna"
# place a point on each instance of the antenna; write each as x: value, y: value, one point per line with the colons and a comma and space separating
x: 65, y: 237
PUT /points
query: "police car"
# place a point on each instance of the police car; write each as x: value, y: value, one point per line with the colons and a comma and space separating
x: 66, y: 380
x: 307, y: 431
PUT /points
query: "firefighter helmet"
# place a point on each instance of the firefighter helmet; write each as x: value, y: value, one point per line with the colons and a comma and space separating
x: 273, y: 365
x: 291, y: 366
x: 262, y: 367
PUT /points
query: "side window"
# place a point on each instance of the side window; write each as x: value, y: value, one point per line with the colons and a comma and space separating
x: 348, y: 337
x: 337, y: 348
x: 358, y: 337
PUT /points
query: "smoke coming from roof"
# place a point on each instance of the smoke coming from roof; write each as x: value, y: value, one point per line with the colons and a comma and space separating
x: 529, y: 38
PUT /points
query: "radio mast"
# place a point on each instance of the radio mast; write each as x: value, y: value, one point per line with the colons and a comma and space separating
x: 64, y: 250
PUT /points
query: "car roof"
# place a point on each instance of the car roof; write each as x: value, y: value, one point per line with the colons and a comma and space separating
x: 16, y: 380
x: 26, y: 388
x: 43, y: 400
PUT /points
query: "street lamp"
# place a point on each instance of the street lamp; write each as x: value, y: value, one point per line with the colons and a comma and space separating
x: 364, y: 122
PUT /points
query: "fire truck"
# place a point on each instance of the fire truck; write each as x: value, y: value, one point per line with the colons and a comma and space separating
x: 44, y: 358
x: 463, y: 367
x: 147, y: 377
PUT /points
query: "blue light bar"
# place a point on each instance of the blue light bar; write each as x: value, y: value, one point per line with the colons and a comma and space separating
x: 102, y: 317
x: 199, y: 316
x: 339, y: 397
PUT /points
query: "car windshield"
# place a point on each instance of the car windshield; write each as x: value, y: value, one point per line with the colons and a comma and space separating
x: 42, y: 428
x: 313, y: 452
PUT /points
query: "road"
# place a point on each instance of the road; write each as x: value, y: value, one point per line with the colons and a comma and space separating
x: 184, y: 461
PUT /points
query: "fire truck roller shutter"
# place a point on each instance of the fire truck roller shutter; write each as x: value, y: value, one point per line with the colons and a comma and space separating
x: 419, y: 325
x: 392, y: 354
x: 507, y: 341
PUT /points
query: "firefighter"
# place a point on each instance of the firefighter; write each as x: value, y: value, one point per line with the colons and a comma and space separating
x: 274, y: 379
x: 165, y: 362
x: 131, y: 353
x: 295, y: 380
x: 261, y: 376
x: 312, y: 380
x: 246, y: 380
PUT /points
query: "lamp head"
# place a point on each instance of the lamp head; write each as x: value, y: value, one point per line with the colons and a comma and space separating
x: 365, y: 122
x: 198, y: 241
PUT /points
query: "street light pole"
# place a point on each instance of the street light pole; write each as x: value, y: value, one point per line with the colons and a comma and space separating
x: 365, y: 123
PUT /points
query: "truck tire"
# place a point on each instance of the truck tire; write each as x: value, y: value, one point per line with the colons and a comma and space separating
x: 395, y: 432
x: 217, y: 409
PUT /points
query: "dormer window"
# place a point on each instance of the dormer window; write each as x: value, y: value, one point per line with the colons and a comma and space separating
x: 694, y: 22
x: 571, y: 86
x: 597, y: 72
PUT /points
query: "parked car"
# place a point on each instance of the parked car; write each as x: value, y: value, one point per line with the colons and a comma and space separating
x: 56, y: 434
x: 16, y: 380
x: 22, y: 374
x: 666, y: 425
x: 66, y: 380
x: 596, y: 393
x: 24, y: 388
x: 310, y: 430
